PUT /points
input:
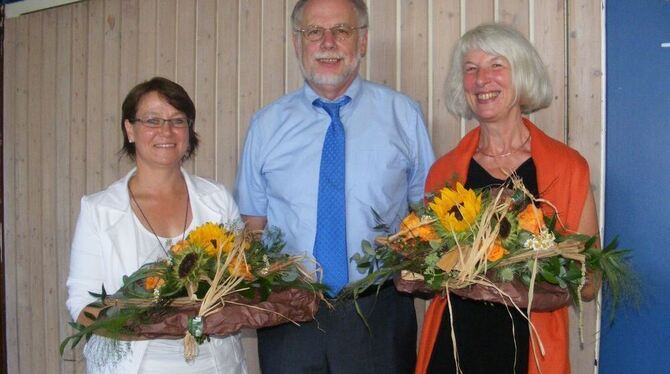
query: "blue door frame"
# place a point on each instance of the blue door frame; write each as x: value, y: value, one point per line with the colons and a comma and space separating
x: 637, y: 204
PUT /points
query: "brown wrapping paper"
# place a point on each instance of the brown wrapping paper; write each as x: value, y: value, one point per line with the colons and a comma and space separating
x: 282, y: 306
x: 546, y: 297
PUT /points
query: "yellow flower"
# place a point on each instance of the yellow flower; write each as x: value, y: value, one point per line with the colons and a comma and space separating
x: 496, y: 252
x: 531, y: 219
x: 212, y: 237
x: 417, y: 228
x: 151, y: 283
x: 456, y: 209
x: 238, y: 267
x: 179, y: 246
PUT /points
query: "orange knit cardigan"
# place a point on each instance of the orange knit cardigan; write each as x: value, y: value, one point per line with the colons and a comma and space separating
x: 563, y: 179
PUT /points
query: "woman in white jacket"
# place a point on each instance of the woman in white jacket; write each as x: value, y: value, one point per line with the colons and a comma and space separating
x: 135, y: 220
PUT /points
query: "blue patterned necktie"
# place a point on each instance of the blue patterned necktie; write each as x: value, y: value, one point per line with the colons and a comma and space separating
x: 330, y: 245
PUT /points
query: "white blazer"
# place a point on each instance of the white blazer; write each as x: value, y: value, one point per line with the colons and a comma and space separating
x: 104, y: 245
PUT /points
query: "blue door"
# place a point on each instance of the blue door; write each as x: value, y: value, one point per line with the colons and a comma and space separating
x: 637, y: 205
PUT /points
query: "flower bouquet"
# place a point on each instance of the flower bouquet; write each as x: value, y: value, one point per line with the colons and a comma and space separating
x: 490, y: 239
x: 217, y: 281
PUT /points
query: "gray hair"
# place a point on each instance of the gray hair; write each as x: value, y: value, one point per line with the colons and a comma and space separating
x: 359, y: 7
x: 529, y: 74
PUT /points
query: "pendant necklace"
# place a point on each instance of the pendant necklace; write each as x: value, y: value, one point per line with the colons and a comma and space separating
x: 507, y: 154
x: 183, y: 234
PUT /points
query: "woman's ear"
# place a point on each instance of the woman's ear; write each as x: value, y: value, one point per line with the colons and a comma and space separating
x: 129, y: 131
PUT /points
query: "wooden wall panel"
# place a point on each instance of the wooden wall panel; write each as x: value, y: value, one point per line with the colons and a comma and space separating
x: 414, y: 67
x: 548, y: 35
x: 228, y: 143
x: 47, y: 184
x: 515, y: 13
x: 205, y: 85
x: 293, y: 77
x: 10, y: 160
x: 166, y: 44
x: 78, y: 147
x: 585, y: 133
x: 249, y: 69
x: 68, y: 69
x: 445, y: 127
x: 94, y: 95
x: 62, y: 142
x: 35, y: 277
x: 186, y: 54
x: 111, y: 142
x: 383, y: 51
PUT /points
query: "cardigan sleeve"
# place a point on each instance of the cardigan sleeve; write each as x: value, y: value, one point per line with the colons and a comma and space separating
x: 86, y: 270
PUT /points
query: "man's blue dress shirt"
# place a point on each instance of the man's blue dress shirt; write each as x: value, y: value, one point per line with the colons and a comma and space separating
x: 388, y: 155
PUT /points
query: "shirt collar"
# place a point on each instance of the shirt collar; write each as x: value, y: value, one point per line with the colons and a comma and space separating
x: 352, y: 91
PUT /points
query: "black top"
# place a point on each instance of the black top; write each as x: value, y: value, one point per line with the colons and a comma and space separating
x: 490, y: 337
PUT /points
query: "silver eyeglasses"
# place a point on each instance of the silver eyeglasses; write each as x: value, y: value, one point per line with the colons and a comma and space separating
x: 340, y: 32
x: 155, y: 122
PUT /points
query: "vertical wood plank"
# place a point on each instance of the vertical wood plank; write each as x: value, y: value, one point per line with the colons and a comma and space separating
x: 10, y: 91
x: 62, y: 119
x: 445, y: 127
x: 47, y: 181
x: 129, y: 46
x: 382, y: 42
x: 146, y: 62
x: 166, y: 39
x: 111, y: 133
x: 414, y: 52
x: 205, y: 93
x: 548, y: 37
x: 127, y: 76
x: 584, y: 129
x: 78, y: 137
x: 273, y: 50
x: 249, y: 52
x: 34, y: 311
x: 477, y: 12
x: 22, y: 266
x: 294, y: 79
x: 515, y: 13
x: 185, y: 64
x: 363, y: 68
x: 228, y: 138
x: 94, y: 96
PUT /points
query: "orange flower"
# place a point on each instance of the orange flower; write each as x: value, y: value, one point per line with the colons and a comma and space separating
x: 179, y: 246
x: 531, y: 219
x: 417, y: 228
x: 496, y: 252
x: 239, y: 268
x: 151, y: 283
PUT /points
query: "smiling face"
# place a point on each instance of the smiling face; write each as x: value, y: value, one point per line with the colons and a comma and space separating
x: 489, y: 89
x: 330, y: 65
x: 160, y: 147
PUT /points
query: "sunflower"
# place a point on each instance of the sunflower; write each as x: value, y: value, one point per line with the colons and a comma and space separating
x: 212, y: 237
x: 508, y: 234
x: 456, y: 209
x: 189, y: 265
x: 418, y: 228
